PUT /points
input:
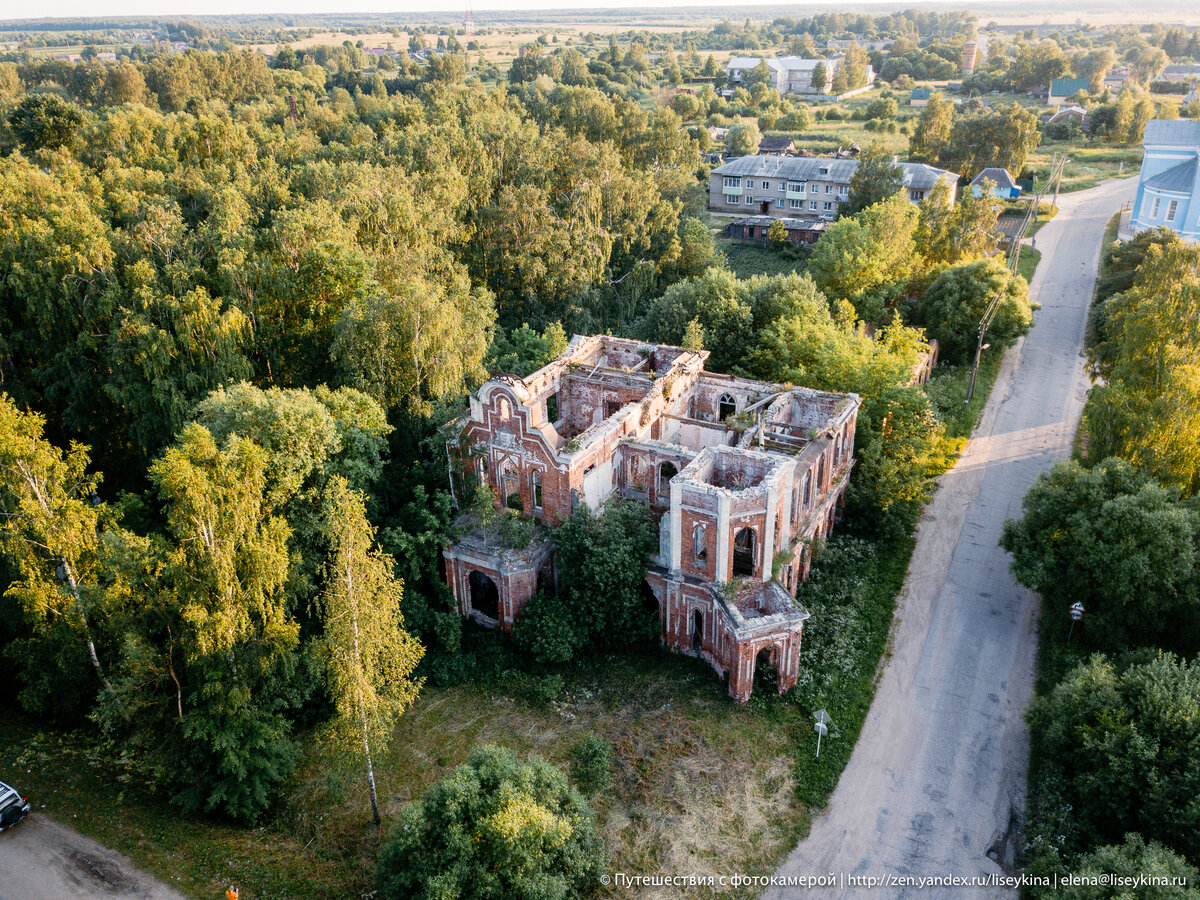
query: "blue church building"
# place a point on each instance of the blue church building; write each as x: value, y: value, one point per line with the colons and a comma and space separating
x: 1169, y: 185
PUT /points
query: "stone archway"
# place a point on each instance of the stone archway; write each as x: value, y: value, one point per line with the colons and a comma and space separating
x: 485, y: 596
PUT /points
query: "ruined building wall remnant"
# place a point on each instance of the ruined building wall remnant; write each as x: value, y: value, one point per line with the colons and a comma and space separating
x: 742, y: 477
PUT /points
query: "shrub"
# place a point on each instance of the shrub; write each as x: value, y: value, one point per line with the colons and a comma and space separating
x: 591, y: 763
x: 1122, y: 745
x: 498, y: 828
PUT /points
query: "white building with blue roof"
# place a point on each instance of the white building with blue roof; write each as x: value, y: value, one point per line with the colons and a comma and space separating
x: 1169, y: 185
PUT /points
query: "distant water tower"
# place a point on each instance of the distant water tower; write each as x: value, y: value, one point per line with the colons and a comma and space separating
x: 969, y: 56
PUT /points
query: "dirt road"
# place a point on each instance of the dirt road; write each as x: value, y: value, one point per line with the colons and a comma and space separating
x: 941, y: 760
x: 41, y: 859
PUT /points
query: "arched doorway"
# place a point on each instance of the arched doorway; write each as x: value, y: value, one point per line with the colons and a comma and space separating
x: 485, y: 596
x: 666, y: 472
x: 744, y: 552
x: 697, y: 631
x: 766, y: 669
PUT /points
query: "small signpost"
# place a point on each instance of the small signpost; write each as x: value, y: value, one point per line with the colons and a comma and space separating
x: 821, y: 727
x: 1075, y: 611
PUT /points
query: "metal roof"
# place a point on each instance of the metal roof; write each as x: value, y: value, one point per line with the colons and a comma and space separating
x: 806, y: 224
x: 1067, y: 87
x: 1172, y: 133
x: 917, y: 176
x: 792, y: 168
x: 921, y: 93
x: 1001, y: 177
x: 1180, y: 179
x: 779, y: 63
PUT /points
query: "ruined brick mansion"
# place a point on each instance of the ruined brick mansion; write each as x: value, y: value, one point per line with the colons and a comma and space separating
x: 741, y: 476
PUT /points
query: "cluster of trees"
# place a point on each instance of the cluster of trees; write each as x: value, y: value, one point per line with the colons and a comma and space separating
x: 198, y: 621
x: 249, y: 297
x: 1114, y: 771
x: 973, y: 139
x: 1146, y: 407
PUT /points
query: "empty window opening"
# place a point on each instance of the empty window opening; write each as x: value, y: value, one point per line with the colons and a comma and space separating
x: 552, y: 408
x: 726, y: 407
x: 485, y: 598
x: 744, y: 552
x: 649, y: 599
x: 611, y: 408
x: 766, y: 669
x: 697, y: 630
x: 510, y: 486
x: 700, y: 543
x: 666, y: 472
x: 535, y: 489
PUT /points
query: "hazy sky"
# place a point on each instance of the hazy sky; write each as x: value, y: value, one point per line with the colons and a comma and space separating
x: 12, y: 9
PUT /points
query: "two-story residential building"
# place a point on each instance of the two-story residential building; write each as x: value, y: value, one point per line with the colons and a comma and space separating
x: 790, y: 74
x: 742, y: 477
x: 809, y: 186
x: 1168, y: 190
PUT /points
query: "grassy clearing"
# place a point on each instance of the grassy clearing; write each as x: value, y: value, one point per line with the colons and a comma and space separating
x: 746, y: 260
x: 1088, y: 163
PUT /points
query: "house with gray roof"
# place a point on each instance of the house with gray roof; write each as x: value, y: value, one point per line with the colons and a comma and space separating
x: 803, y: 186
x: 1004, y: 185
x: 1169, y: 184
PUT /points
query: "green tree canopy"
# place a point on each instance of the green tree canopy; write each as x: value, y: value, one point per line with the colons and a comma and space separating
x: 1112, y: 539
x: 876, y: 179
x: 496, y: 828
x: 867, y: 259
x: 956, y: 301
x: 1124, y: 745
x: 1148, y: 411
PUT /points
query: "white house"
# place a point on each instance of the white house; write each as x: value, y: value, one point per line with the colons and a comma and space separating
x: 790, y: 74
x: 1169, y: 184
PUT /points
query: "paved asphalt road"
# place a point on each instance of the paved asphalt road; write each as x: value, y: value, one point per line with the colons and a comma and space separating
x: 41, y: 859
x: 941, y: 759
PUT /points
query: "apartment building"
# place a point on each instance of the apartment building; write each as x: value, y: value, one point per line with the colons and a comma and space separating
x: 794, y: 186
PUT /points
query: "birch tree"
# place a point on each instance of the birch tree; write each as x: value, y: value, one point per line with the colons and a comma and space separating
x: 49, y: 527
x: 369, y: 657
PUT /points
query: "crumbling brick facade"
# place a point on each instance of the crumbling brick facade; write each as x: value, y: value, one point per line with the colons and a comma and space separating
x: 743, y: 477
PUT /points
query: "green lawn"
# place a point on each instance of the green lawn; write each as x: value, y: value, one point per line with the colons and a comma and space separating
x: 746, y: 260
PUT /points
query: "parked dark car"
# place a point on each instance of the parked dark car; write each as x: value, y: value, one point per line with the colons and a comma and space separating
x: 13, y: 807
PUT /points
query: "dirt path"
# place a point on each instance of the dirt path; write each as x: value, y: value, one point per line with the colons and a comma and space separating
x: 940, y: 764
x: 41, y: 859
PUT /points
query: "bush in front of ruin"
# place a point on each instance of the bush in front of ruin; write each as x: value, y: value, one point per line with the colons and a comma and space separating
x: 497, y: 828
